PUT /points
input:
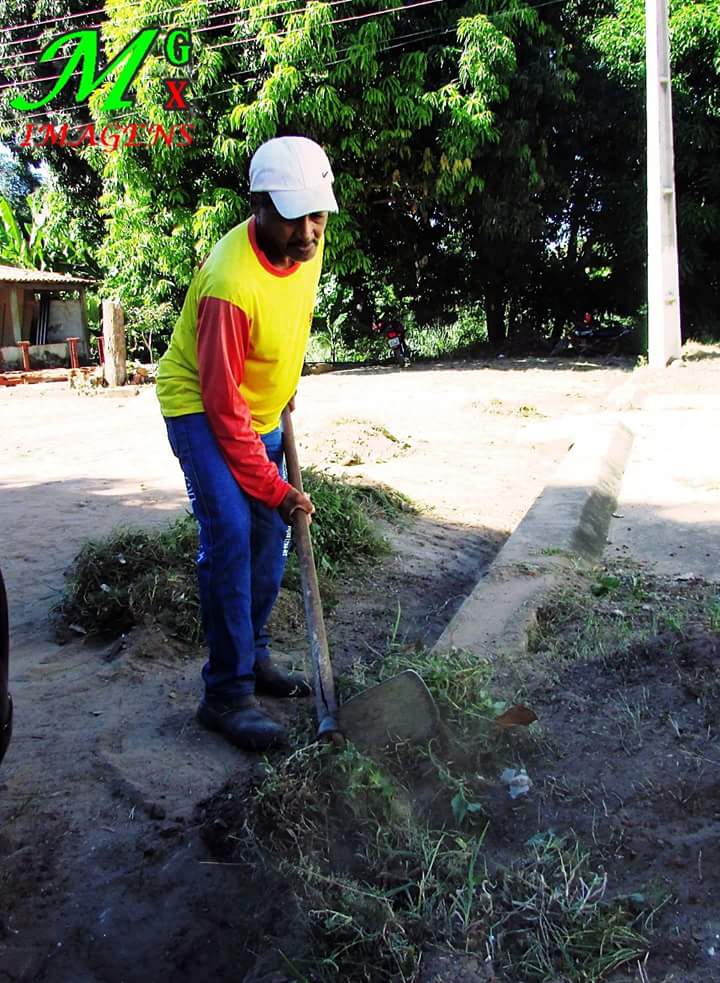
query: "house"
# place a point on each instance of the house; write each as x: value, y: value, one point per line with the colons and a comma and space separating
x: 39, y: 312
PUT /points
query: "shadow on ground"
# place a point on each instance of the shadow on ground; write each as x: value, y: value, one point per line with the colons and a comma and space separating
x: 567, y: 364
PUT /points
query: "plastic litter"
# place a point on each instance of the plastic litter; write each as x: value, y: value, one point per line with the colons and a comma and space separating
x: 518, y: 782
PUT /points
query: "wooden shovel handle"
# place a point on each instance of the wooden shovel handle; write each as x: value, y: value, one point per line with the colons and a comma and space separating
x: 325, y: 700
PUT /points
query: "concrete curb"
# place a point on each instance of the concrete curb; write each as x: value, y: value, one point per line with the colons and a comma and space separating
x: 568, y: 521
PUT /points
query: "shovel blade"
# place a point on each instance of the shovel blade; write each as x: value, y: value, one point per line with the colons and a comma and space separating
x: 400, y: 709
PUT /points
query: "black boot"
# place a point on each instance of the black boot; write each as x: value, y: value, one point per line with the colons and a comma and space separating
x: 242, y: 721
x: 272, y: 681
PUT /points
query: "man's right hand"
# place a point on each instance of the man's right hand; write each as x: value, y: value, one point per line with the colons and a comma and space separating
x: 295, y: 500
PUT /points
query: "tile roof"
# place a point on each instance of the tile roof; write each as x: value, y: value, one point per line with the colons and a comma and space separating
x: 41, y: 278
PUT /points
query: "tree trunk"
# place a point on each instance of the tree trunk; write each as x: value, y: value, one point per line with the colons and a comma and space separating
x: 495, y: 317
x: 115, y: 346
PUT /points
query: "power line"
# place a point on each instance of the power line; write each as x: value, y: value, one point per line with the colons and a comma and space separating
x: 197, y: 30
x: 90, y: 27
x: 200, y: 30
x: 398, y: 42
x: 254, y: 71
x: 242, y: 41
x: 97, y: 10
x: 215, y: 27
x: 342, y: 20
x: 340, y: 61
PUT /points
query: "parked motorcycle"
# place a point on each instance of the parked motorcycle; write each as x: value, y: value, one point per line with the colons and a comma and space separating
x: 590, y: 338
x: 395, y: 336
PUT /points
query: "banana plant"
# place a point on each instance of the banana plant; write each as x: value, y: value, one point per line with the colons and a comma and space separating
x: 20, y: 244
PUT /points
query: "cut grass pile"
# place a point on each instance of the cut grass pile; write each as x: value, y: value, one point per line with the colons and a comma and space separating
x: 135, y: 574
x: 382, y: 859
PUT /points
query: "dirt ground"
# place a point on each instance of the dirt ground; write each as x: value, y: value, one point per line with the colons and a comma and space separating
x: 626, y: 685
x: 621, y: 671
x: 104, y: 876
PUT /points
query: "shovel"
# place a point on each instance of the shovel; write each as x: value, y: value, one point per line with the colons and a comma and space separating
x: 401, y: 708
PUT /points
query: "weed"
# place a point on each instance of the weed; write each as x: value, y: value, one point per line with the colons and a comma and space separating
x: 496, y: 407
x: 714, y: 614
x: 605, y: 584
x: 624, y: 606
x: 375, y: 428
x: 667, y: 619
x: 458, y: 680
x: 384, y: 857
x: 529, y: 411
x: 629, y: 717
x: 550, y: 918
x: 374, y: 884
x: 463, y: 804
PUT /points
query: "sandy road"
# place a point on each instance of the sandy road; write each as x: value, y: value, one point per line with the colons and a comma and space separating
x: 75, y: 466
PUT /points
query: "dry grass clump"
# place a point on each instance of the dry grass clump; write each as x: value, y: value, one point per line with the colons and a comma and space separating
x: 135, y: 575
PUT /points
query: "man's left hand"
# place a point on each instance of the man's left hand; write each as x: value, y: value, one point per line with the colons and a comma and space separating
x: 291, y: 404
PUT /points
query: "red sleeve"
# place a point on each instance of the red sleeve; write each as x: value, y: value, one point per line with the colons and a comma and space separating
x: 223, y: 338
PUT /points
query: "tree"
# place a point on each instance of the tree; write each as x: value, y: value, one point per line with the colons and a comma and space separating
x: 16, y: 182
x: 695, y: 56
x: 487, y: 152
x: 407, y: 101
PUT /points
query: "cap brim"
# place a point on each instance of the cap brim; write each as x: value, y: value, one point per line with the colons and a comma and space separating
x: 294, y: 204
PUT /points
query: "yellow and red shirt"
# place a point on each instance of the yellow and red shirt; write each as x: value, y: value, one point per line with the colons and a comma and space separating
x: 237, y: 352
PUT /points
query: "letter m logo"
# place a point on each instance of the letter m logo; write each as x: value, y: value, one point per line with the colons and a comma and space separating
x: 84, y: 57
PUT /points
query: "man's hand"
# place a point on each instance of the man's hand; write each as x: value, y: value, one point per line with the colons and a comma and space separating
x: 292, y: 501
x: 291, y: 404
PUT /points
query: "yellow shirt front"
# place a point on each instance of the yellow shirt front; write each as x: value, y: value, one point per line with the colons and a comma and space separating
x: 278, y: 307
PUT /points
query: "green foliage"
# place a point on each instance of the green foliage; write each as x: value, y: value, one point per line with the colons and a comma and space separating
x: 406, y: 104
x: 458, y: 681
x: 344, y: 532
x: 54, y: 236
x: 466, y: 335
x: 465, y: 142
x: 18, y: 245
x: 619, y: 608
x: 619, y: 37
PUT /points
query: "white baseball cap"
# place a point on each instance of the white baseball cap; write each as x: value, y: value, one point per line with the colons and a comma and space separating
x: 297, y: 175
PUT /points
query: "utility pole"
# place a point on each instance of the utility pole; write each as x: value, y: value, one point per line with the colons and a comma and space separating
x: 664, y: 338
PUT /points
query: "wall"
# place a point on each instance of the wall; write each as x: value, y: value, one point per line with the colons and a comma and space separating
x: 41, y: 357
x: 65, y: 321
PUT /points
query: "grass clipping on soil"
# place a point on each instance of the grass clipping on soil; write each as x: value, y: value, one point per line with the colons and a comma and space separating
x: 134, y: 575
x: 381, y: 861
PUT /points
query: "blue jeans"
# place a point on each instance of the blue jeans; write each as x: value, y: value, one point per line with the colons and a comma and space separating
x: 241, y: 559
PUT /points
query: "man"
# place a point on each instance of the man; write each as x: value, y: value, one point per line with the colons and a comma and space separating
x: 233, y: 364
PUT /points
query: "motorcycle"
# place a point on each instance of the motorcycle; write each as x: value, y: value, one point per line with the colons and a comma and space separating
x: 395, y: 337
x: 590, y: 339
